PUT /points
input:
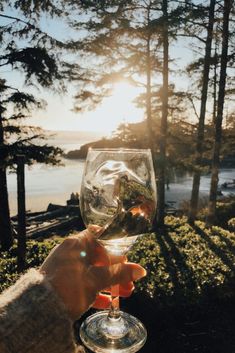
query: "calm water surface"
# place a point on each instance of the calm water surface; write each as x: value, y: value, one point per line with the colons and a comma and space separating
x: 55, y: 184
x: 181, y: 185
x: 46, y: 184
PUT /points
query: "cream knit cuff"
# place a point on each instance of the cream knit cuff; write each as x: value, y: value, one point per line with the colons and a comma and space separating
x: 33, y: 318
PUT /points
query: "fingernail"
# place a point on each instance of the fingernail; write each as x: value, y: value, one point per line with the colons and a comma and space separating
x: 94, y: 230
x: 138, y: 272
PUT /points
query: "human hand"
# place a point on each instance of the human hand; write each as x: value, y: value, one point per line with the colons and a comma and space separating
x: 80, y: 267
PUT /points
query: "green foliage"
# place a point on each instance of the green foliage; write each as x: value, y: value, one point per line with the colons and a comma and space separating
x: 231, y: 224
x: 186, y: 265
x: 36, y: 62
x: 36, y: 253
x: 225, y: 210
x: 34, y: 8
x: 26, y: 48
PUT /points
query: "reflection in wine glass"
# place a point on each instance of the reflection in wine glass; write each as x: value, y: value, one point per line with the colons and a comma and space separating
x: 118, y: 193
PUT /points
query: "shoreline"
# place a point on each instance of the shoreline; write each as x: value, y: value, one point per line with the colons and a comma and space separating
x: 46, y: 185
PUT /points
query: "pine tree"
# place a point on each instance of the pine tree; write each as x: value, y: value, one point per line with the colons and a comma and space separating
x: 227, y: 7
x: 164, y: 118
x: 29, y: 50
x: 125, y: 40
x: 201, y: 123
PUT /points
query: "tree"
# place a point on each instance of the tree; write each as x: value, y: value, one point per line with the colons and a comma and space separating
x: 27, y: 49
x: 227, y: 7
x: 6, y: 237
x: 124, y: 40
x: 163, y: 129
x: 201, y: 123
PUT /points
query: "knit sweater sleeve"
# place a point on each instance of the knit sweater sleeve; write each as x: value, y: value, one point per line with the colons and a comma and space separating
x: 33, y: 319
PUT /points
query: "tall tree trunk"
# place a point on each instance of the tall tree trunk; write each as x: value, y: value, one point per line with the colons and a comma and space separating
x: 21, y: 248
x: 6, y: 238
x: 148, y: 98
x: 215, y: 84
x: 219, y: 117
x: 201, y: 123
x: 149, y: 104
x: 163, y: 128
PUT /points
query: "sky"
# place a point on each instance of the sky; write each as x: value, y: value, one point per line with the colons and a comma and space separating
x: 105, y: 118
x: 116, y: 109
x: 113, y: 111
x: 59, y: 114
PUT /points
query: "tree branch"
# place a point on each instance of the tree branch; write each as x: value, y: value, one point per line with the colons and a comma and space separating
x: 193, y: 105
x: 192, y: 36
x: 17, y: 19
x: 30, y: 25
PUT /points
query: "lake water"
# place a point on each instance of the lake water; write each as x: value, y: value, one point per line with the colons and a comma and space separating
x: 46, y: 184
x: 181, y: 186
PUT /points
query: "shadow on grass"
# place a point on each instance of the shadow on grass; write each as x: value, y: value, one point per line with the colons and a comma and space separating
x: 207, y: 327
x: 176, y: 265
x: 216, y: 249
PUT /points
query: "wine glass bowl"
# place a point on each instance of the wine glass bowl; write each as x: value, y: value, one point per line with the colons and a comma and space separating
x: 118, y: 193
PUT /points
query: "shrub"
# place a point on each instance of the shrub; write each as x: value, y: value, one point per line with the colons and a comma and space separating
x: 231, y: 224
x: 36, y: 253
x: 184, y: 205
x: 185, y: 265
x: 225, y: 210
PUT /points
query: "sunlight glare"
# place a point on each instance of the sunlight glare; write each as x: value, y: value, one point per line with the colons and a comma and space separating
x: 114, y: 110
x: 118, y: 108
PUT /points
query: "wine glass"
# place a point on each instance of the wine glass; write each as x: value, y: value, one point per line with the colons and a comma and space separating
x: 118, y: 193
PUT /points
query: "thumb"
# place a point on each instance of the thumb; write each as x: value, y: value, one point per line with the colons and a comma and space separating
x: 106, y: 276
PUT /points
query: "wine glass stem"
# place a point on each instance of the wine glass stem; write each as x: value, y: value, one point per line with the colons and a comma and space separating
x: 114, y: 312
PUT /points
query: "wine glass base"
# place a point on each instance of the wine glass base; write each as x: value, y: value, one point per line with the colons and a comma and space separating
x: 97, y: 339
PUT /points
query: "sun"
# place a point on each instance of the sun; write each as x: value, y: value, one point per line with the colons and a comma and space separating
x: 118, y: 108
x: 124, y: 93
x: 114, y: 110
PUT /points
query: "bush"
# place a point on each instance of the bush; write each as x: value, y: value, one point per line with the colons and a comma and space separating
x: 186, y: 265
x: 225, y: 210
x: 231, y: 224
x: 36, y: 253
x: 187, y: 299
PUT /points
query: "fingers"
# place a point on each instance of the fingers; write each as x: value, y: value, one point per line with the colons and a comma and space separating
x: 100, y: 254
x: 124, y: 290
x: 100, y: 257
x: 88, y: 248
x: 102, y: 301
x: 125, y: 272
x: 115, y: 259
x: 94, y: 230
x: 104, y: 277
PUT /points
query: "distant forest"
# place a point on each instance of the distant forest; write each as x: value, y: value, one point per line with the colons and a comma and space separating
x: 181, y: 144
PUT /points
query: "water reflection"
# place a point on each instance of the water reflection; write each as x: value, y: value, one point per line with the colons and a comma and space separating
x: 46, y: 184
x: 180, y: 185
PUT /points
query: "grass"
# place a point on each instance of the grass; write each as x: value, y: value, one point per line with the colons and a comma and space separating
x: 187, y: 299
x: 186, y: 265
